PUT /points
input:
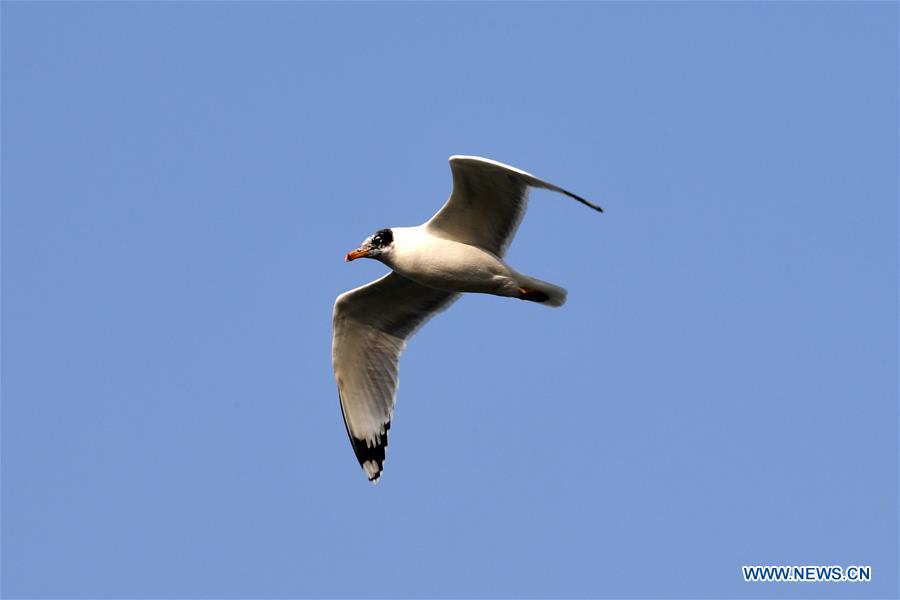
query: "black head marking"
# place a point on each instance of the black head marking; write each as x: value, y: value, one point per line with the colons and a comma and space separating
x: 382, y: 238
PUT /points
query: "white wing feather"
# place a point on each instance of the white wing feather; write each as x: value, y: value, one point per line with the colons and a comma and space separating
x: 371, y: 327
x: 487, y: 203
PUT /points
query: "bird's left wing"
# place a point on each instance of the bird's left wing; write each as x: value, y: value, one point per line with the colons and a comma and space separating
x: 371, y: 327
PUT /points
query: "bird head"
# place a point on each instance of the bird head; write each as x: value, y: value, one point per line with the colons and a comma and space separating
x: 373, y: 246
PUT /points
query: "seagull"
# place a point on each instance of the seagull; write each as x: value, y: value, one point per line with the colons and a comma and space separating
x: 460, y: 249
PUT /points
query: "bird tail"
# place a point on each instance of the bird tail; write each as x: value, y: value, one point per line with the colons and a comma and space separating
x: 545, y: 293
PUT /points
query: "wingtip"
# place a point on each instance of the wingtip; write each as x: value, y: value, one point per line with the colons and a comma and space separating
x: 587, y: 203
x: 371, y: 457
x: 373, y: 470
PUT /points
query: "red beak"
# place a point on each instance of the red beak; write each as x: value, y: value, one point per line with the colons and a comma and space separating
x: 358, y: 253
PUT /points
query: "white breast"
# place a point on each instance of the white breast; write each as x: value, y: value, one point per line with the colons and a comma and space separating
x: 447, y: 265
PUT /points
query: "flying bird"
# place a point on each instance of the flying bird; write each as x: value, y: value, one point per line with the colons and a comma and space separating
x: 460, y: 249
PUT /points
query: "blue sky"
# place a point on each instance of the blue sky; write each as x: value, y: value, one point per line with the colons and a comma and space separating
x: 180, y: 183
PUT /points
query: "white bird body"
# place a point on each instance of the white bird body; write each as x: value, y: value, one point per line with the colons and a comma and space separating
x: 458, y: 250
x: 448, y: 265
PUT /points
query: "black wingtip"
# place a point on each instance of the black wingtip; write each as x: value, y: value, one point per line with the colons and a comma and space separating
x: 371, y: 458
x: 583, y: 201
x: 374, y: 455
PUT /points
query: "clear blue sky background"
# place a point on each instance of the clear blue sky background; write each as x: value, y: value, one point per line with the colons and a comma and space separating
x: 181, y: 181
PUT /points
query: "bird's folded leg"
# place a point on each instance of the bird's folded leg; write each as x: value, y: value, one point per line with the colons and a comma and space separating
x: 532, y: 295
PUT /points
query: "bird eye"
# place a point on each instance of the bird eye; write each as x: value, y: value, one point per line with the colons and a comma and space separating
x: 382, y: 238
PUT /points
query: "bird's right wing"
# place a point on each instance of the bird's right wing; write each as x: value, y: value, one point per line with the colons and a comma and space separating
x: 371, y: 327
x: 487, y: 203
